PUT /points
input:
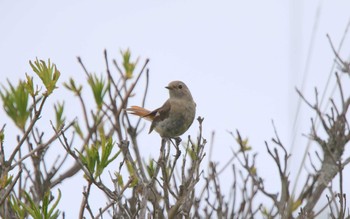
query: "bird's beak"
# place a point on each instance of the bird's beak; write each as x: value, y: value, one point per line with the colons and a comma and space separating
x: 169, y: 88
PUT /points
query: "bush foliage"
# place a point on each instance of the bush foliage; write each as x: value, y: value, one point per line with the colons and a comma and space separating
x: 166, y: 186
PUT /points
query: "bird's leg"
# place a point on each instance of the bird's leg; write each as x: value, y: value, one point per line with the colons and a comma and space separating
x: 178, y: 141
x: 164, y: 141
x: 176, y: 144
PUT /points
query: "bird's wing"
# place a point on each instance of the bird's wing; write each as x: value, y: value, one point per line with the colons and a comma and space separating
x: 160, y: 114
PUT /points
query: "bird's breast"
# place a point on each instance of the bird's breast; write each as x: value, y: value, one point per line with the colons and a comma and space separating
x: 181, y: 116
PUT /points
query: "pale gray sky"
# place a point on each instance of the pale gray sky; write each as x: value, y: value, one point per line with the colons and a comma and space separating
x: 241, y: 60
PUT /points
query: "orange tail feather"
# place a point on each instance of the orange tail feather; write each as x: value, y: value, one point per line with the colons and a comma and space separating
x: 142, y: 112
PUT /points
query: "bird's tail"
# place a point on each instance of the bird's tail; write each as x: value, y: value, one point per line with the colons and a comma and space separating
x: 142, y: 112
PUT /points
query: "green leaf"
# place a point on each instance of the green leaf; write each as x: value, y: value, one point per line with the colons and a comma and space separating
x: 60, y: 119
x: 2, y: 136
x: 29, y: 85
x: 95, y: 161
x: 129, y: 66
x: 129, y: 167
x: 104, y: 158
x: 119, y: 179
x: 73, y: 87
x: 132, y: 174
x: 99, y: 88
x: 106, y: 152
x: 51, y: 212
x: 17, y: 207
x: 78, y: 130
x: 5, y: 180
x: 31, y: 207
x: 296, y: 204
x: 36, y: 210
x: 48, y: 74
x: 15, y: 102
x: 91, y: 158
x: 244, y: 144
x: 151, y: 168
x: 192, y: 151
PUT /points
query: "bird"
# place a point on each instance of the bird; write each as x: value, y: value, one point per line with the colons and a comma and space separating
x: 175, y: 116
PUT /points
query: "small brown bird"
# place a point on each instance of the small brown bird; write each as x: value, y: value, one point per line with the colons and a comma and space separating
x: 175, y: 116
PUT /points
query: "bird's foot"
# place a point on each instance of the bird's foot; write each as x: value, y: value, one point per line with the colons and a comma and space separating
x: 177, y: 141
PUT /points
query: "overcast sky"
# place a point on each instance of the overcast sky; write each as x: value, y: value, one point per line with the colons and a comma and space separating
x: 241, y: 60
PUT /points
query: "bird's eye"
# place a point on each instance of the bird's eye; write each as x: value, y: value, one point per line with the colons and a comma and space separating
x: 180, y: 86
